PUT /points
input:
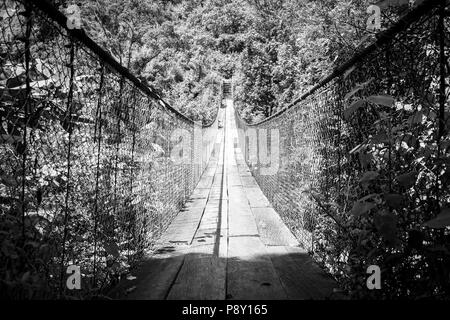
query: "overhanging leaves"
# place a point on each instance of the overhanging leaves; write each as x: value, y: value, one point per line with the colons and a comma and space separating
x: 407, y: 180
x: 352, y: 108
x: 361, y: 207
x: 394, y: 200
x: 385, y: 222
x: 441, y: 221
x: 369, y: 176
x: 383, y: 100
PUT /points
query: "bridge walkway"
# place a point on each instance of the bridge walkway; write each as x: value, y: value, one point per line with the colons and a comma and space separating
x: 228, y: 242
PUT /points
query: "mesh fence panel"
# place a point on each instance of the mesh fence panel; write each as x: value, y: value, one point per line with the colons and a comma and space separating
x: 343, y: 150
x: 92, y: 167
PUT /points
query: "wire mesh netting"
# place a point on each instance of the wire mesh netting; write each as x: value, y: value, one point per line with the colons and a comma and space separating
x: 92, y: 167
x: 364, y: 159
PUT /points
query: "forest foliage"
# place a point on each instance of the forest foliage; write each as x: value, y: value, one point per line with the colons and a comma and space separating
x: 275, y: 50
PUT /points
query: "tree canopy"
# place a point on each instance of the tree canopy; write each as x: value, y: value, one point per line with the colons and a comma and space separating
x: 275, y: 50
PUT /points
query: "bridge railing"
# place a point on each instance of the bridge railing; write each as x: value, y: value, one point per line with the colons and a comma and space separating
x: 93, y: 164
x: 361, y: 161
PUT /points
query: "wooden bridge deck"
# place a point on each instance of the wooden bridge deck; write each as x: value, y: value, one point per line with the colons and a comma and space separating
x: 228, y: 242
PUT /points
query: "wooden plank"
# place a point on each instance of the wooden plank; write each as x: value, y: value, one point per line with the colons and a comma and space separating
x: 244, y: 171
x: 223, y: 240
x: 217, y: 180
x: 256, y: 198
x: 200, y: 278
x: 272, y: 229
x: 194, y: 203
x: 205, y: 182
x: 183, y: 227
x: 213, y: 203
x: 154, y: 276
x: 203, y: 274
x: 234, y: 180
x: 250, y: 273
x: 200, y: 193
x: 240, y: 217
x: 225, y: 226
x: 239, y: 157
x: 209, y: 227
x: 232, y: 168
x: 299, y: 275
x: 216, y: 193
x: 210, y: 171
x: 236, y: 193
x: 242, y: 225
x: 248, y: 181
x: 310, y: 268
x: 289, y: 274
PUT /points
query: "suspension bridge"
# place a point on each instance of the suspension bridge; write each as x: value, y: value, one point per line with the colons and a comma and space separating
x: 228, y: 242
x: 88, y: 177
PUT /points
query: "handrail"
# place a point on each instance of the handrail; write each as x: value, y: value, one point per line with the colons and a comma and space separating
x: 57, y: 16
x: 383, y: 38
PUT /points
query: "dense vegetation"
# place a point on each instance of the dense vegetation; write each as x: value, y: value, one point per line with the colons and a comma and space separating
x: 275, y: 51
x: 367, y: 157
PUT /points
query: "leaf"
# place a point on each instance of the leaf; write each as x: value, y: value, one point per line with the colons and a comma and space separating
x: 383, y: 100
x: 438, y: 248
x: 352, y: 93
x: 386, y: 222
x: 370, y: 196
x: 417, y: 2
x: 416, y: 118
x: 8, y: 250
x: 7, y: 138
x: 158, y: 149
x: 112, y: 248
x: 361, y: 207
x: 447, y: 120
x: 395, y: 258
x: 380, y: 138
x: 349, y: 71
x: 394, y: 200
x: 357, y: 88
x: 445, y: 144
x: 9, y: 181
x: 130, y: 289
x: 39, y: 196
x: 25, y: 276
x: 410, y: 140
x: 33, y: 244
x: 441, y: 221
x: 415, y: 239
x: 352, y: 108
x: 407, y: 180
x: 365, y: 159
x: 445, y: 177
x: 369, y: 176
x: 363, y: 39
